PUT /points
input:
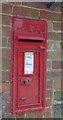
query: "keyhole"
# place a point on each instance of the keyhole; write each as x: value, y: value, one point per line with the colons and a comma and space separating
x: 24, y: 82
x: 28, y: 81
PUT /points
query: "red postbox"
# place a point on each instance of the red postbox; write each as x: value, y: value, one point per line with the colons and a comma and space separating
x: 28, y: 64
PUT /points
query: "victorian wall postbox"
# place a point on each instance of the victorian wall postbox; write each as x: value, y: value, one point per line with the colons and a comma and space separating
x: 28, y: 64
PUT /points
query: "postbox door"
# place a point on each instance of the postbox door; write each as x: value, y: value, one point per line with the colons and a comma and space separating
x: 28, y: 78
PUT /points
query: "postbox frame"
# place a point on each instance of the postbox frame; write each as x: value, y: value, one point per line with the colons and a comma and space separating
x: 14, y: 98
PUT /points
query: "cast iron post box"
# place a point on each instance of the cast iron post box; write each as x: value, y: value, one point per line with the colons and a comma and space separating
x: 28, y: 64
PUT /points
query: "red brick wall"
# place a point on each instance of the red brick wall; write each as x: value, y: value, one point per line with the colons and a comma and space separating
x: 53, y: 80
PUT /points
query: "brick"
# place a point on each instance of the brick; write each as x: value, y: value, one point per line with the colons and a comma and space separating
x: 61, y: 85
x: 61, y: 44
x: 0, y: 51
x: 5, y: 64
x: 6, y: 20
x: 49, y: 102
x: 0, y: 87
x: 5, y: 87
x: 61, y: 9
x: 7, y: 97
x: 49, y: 84
x: 38, y: 114
x: 9, y: 42
x: 22, y: 11
x: 61, y: 26
x: 6, y: 53
x: 8, y: 108
x: 48, y: 93
x: 61, y: 17
x: 6, y: 31
x: 57, y: 111
x: 5, y: 76
x: 6, y: 42
x: 54, y: 36
x: 47, y: 113
x: 30, y: 114
x: 0, y: 75
x: 0, y: 57
x: 57, y: 115
x: 0, y: 8
x: 61, y: 94
x: 0, y: 19
x: 57, y: 95
x: 61, y: 75
x: 21, y: 115
x: 56, y: 26
x: 54, y: 45
x: 50, y: 16
x: 54, y: 55
x: 50, y: 26
x: 61, y: 55
x: 53, y: 76
x: 0, y: 63
x: 57, y: 84
x: 56, y: 65
x: 61, y: 36
x: 7, y: 9
x: 49, y: 65
x: 0, y: 41
x: 0, y: 112
x: 0, y: 31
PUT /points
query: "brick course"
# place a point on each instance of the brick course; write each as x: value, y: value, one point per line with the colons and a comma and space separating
x: 23, y: 11
x: 36, y: 10
x: 50, y: 16
x: 5, y: 76
x: 5, y: 87
x: 47, y: 113
x: 40, y: 5
x: 54, y: 36
x: 57, y: 84
x: 56, y: 65
x: 6, y: 20
x: 54, y: 55
x: 57, y: 26
x: 7, y: 9
x: 6, y: 53
x: 49, y: 84
x: 6, y: 31
x: 49, y: 93
x: 49, y: 102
